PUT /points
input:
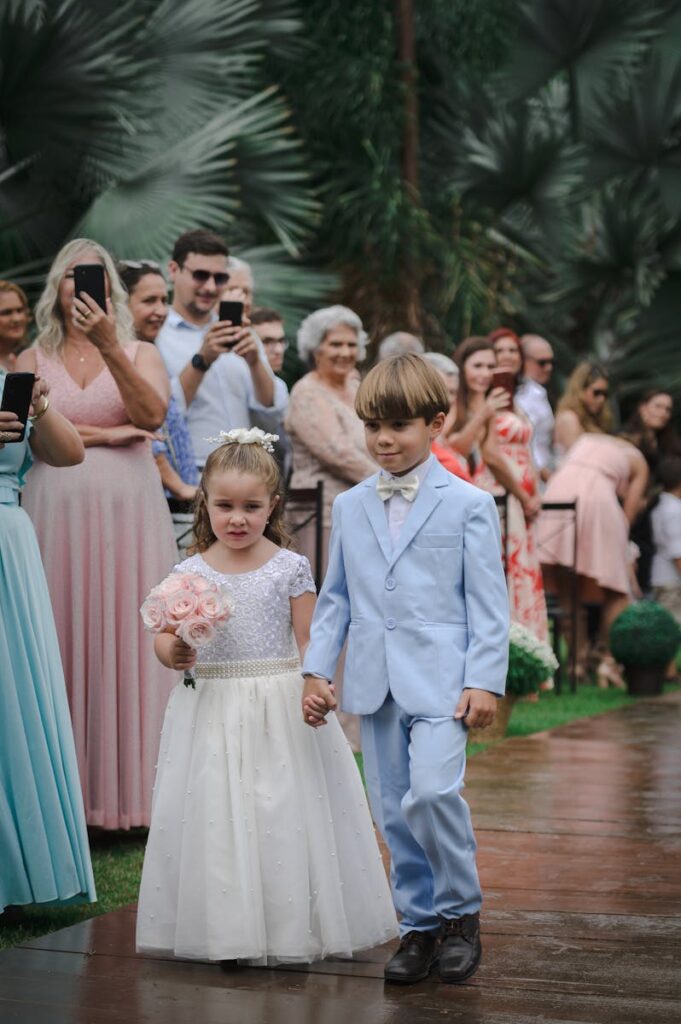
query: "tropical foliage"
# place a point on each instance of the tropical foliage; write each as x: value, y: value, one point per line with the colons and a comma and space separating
x: 450, y: 165
x: 135, y: 120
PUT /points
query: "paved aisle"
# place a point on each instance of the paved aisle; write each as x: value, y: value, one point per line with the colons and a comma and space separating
x: 580, y: 854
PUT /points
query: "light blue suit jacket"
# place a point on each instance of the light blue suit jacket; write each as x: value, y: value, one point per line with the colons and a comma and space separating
x: 423, y: 619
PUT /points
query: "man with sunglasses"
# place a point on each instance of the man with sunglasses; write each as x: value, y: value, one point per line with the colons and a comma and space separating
x: 533, y: 400
x: 219, y: 372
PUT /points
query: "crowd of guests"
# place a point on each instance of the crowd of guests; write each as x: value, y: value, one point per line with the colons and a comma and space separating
x: 130, y: 398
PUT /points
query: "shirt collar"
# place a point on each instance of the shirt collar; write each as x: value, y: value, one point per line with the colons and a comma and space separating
x: 175, y: 319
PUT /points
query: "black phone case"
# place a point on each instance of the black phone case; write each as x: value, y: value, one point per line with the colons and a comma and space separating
x: 89, y: 277
x: 16, y: 398
x: 232, y: 311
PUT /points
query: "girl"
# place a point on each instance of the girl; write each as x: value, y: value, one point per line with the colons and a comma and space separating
x: 261, y: 847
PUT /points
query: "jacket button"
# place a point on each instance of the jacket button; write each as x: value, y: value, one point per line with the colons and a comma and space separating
x: 390, y: 623
x: 390, y: 583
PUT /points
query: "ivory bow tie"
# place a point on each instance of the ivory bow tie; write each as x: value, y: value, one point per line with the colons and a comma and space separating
x: 407, y: 486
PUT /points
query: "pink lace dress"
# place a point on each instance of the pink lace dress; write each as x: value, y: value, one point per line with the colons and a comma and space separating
x: 523, y: 569
x: 106, y: 539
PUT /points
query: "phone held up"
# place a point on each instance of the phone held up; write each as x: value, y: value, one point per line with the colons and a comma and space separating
x: 506, y: 380
x: 89, y: 277
x: 16, y: 398
x: 232, y: 311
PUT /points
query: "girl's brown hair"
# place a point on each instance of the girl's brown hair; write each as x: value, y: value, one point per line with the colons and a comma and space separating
x: 582, y: 377
x: 469, y: 347
x: 242, y: 458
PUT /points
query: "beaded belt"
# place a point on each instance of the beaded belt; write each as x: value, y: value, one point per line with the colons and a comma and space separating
x: 234, y: 669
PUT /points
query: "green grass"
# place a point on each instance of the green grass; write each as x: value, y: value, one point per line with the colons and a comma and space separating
x: 117, y: 857
x: 117, y: 865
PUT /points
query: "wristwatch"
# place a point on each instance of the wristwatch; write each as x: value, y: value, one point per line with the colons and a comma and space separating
x: 199, y: 363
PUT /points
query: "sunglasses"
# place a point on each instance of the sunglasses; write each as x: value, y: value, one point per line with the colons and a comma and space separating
x: 202, y: 276
x: 271, y: 342
x: 600, y: 392
x: 542, y: 362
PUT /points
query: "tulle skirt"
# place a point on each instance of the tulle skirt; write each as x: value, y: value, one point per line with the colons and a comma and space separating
x: 261, y: 845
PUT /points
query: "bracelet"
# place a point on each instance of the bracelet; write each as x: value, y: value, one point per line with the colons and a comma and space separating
x: 41, y: 412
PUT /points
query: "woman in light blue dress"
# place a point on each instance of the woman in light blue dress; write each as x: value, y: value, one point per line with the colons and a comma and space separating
x: 44, y: 854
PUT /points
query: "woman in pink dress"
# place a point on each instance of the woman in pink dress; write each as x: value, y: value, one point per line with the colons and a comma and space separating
x: 105, y: 534
x: 498, y: 439
x: 607, y: 477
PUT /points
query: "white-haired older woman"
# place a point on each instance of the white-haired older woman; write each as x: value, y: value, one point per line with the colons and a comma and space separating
x: 104, y: 532
x: 326, y: 433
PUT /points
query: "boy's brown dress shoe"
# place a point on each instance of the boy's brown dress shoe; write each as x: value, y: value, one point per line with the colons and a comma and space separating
x: 460, y: 949
x: 412, y: 962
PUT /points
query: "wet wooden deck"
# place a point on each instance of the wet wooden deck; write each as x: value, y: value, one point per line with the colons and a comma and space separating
x: 580, y: 855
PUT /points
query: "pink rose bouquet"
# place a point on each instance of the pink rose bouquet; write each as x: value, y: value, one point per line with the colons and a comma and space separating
x: 188, y: 605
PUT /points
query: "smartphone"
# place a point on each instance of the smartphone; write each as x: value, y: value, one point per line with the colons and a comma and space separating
x: 232, y: 311
x: 506, y: 380
x: 16, y: 398
x: 89, y: 277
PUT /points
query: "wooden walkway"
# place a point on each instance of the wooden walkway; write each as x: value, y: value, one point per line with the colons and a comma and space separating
x: 580, y: 854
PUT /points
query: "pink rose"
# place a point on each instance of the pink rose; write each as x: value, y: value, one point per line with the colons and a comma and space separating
x: 153, y: 613
x: 180, y: 606
x: 172, y: 584
x: 196, y: 632
x: 200, y: 585
x: 211, y: 606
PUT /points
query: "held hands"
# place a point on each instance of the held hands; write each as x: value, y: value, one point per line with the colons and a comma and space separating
x: 100, y: 327
x: 477, y: 708
x: 318, y: 699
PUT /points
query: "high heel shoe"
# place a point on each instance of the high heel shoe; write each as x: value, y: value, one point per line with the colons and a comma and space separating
x: 608, y: 674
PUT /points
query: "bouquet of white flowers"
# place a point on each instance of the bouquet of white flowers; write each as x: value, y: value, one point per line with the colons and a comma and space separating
x: 530, y: 661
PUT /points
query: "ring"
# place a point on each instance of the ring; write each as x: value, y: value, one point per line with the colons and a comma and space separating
x: 7, y: 435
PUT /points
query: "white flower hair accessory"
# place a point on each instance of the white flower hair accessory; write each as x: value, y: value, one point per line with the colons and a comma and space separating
x: 242, y: 435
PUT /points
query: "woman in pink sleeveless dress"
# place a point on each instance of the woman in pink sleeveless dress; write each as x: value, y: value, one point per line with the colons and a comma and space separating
x: 607, y: 477
x: 105, y: 534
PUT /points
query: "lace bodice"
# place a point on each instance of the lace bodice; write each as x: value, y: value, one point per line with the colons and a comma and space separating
x: 260, y: 626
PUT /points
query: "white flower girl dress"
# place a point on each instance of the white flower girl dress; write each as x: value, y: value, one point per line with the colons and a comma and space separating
x: 261, y: 846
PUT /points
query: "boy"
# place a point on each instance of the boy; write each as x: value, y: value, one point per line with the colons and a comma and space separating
x: 415, y: 582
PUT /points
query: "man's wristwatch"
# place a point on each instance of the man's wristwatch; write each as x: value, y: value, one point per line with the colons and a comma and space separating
x: 199, y: 363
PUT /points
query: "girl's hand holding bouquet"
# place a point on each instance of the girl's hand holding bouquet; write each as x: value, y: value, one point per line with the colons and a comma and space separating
x: 190, y: 607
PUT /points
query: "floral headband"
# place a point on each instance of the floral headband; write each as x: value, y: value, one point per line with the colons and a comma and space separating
x: 242, y: 435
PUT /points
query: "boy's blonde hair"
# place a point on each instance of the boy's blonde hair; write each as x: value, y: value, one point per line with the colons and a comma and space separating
x: 402, y: 388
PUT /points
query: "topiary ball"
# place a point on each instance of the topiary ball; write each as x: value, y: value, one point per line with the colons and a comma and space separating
x: 645, y: 635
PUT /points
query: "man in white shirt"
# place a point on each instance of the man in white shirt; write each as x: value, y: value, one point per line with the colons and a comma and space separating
x: 532, y: 398
x: 665, y: 573
x: 218, y: 372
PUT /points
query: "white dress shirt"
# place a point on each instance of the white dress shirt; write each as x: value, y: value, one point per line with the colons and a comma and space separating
x: 666, y: 523
x: 533, y: 400
x: 397, y: 507
x: 225, y: 397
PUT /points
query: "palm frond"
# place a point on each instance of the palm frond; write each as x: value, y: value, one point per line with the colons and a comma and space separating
x: 598, y: 39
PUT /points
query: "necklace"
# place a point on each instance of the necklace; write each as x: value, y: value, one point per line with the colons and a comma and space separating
x: 78, y: 351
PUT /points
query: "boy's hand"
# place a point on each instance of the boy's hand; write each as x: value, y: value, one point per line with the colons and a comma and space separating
x: 318, y: 699
x: 478, y: 708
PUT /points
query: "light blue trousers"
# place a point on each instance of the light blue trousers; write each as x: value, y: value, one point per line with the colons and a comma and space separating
x: 414, y: 768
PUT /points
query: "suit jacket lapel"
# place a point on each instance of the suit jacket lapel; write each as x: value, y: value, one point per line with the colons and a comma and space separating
x: 427, y: 499
x: 375, y: 510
